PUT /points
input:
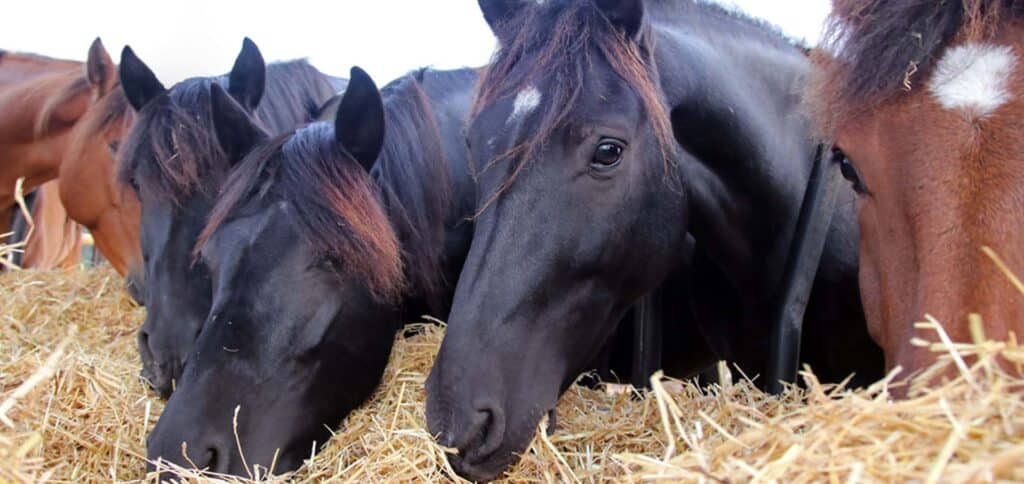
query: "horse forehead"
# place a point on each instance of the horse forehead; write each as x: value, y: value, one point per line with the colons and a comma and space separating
x: 526, y: 102
x: 974, y: 77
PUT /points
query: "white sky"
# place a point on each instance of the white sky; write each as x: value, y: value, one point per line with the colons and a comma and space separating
x: 185, y: 38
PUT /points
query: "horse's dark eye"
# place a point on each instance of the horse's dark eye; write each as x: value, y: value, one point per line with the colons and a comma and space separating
x: 851, y: 174
x: 607, y: 155
x: 113, y: 146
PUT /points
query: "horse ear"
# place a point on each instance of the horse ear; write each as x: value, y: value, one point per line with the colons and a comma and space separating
x: 99, y: 69
x: 499, y: 12
x: 248, y: 76
x: 626, y: 15
x: 138, y: 81
x: 236, y: 131
x: 359, y: 123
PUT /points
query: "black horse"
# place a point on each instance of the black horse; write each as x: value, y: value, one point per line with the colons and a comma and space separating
x: 175, y: 165
x: 609, y: 130
x: 322, y: 244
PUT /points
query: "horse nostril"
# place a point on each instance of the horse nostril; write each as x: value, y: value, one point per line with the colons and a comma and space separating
x: 214, y: 460
x: 492, y: 431
x: 211, y: 459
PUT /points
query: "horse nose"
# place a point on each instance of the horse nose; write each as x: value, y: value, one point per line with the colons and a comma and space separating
x: 206, y: 456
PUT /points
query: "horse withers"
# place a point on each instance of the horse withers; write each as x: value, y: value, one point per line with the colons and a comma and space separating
x: 322, y: 244
x: 175, y: 166
x: 924, y: 100
x: 609, y: 131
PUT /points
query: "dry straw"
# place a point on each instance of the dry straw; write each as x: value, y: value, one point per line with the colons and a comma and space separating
x: 77, y: 412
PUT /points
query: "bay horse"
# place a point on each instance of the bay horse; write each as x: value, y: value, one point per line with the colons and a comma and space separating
x: 608, y: 131
x: 924, y: 101
x: 323, y: 243
x: 52, y: 239
x: 172, y: 161
x: 40, y: 100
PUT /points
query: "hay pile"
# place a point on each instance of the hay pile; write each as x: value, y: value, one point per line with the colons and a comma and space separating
x: 73, y: 409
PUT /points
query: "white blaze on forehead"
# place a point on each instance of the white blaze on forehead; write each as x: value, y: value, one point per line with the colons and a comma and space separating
x: 526, y: 101
x: 974, y: 77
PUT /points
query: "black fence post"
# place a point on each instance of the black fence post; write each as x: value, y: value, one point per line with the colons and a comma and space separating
x: 802, y: 267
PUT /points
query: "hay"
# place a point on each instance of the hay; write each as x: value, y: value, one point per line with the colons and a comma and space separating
x: 88, y: 421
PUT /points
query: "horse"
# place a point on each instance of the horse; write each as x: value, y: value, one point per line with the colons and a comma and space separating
x: 172, y: 161
x: 89, y: 187
x: 40, y: 100
x: 922, y: 99
x: 52, y: 240
x: 323, y: 243
x: 609, y: 131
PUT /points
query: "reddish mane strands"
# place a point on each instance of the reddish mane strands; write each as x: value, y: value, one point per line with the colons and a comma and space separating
x: 336, y: 203
x: 876, y: 51
x: 558, y: 46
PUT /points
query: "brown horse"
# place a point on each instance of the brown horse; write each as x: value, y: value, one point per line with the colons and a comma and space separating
x: 40, y: 99
x: 70, y: 119
x: 54, y: 241
x: 88, y: 184
x: 925, y: 100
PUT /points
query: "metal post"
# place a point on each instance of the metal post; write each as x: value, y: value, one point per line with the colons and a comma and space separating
x: 647, y: 344
x: 802, y: 267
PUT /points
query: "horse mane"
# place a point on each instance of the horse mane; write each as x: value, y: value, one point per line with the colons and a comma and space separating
x: 293, y: 94
x: 559, y: 38
x: 186, y: 154
x: 342, y: 212
x: 413, y: 178
x: 875, y: 51
x: 109, y: 109
x: 75, y: 85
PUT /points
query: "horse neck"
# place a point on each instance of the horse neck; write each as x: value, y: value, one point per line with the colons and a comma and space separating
x: 294, y: 93
x: 18, y: 68
x: 748, y: 150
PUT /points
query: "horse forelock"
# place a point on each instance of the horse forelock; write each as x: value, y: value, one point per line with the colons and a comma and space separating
x: 337, y: 207
x: 111, y: 109
x: 877, y: 51
x: 172, y: 151
x: 557, y: 42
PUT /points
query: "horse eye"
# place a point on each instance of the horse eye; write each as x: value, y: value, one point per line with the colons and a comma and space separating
x: 607, y: 155
x: 113, y: 146
x: 851, y: 174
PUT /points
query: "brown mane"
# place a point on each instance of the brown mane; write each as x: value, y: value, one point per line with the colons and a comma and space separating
x: 112, y: 108
x: 560, y: 42
x: 876, y: 51
x: 76, y: 87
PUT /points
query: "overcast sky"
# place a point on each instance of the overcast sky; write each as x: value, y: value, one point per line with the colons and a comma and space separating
x: 185, y: 38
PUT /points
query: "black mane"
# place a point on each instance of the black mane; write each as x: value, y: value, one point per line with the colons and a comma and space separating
x: 337, y: 203
x: 180, y: 136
